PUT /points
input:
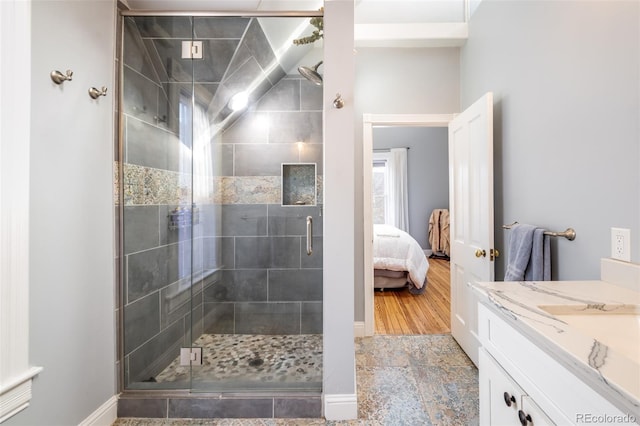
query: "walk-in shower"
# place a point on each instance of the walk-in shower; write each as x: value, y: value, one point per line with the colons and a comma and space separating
x: 215, y: 198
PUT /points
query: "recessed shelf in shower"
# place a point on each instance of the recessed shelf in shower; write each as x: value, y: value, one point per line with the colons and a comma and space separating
x: 299, y: 184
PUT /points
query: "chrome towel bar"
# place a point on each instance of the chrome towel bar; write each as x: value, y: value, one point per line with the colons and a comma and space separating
x: 569, y: 233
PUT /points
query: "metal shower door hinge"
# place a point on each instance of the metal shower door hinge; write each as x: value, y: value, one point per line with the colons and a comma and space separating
x: 191, y: 49
x: 190, y: 356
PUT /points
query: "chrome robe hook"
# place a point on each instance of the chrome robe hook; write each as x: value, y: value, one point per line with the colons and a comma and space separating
x: 59, y: 78
x: 96, y: 93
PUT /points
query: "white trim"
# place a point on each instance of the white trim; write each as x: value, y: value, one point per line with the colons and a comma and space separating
x: 15, y: 120
x: 409, y: 34
x: 369, y: 121
x: 105, y: 415
x: 16, y: 394
x: 340, y: 406
x: 358, y: 329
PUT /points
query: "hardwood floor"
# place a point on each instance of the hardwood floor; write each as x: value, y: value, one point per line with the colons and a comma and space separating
x: 400, y: 312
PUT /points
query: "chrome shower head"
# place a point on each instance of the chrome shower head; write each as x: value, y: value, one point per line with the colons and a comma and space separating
x: 311, y: 74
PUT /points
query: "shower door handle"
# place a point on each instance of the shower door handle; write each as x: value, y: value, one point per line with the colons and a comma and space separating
x: 309, y: 235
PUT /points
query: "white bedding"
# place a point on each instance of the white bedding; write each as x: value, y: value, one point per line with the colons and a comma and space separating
x: 396, y: 250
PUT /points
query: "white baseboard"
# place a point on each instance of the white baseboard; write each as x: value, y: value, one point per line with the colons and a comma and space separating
x: 105, y: 415
x: 340, y: 407
x: 358, y: 329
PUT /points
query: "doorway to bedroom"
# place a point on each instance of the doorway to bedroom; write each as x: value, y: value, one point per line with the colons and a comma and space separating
x: 406, y: 162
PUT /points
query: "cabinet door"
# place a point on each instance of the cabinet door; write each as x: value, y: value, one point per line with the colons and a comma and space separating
x: 534, y: 414
x: 500, y: 396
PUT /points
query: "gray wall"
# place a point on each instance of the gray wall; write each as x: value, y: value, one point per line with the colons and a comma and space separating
x: 427, y: 172
x: 71, y: 272
x: 397, y: 81
x: 566, y: 92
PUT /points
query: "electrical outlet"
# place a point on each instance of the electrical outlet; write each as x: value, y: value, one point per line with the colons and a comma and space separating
x: 621, y: 244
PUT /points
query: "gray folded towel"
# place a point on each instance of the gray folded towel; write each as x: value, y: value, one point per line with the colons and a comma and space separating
x: 539, y: 267
x: 519, y: 251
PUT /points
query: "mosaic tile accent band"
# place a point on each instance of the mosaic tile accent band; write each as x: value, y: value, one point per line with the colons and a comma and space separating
x: 149, y: 186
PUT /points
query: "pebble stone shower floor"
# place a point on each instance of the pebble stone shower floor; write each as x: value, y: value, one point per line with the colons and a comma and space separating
x: 262, y: 361
x: 401, y: 380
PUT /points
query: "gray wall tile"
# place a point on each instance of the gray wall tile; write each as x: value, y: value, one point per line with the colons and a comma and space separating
x: 219, y: 27
x: 216, y: 57
x: 252, y: 127
x: 295, y: 285
x: 140, y: 96
x: 313, y: 153
x: 228, y: 252
x: 267, y: 318
x: 263, y: 159
x: 222, y: 159
x: 136, y: 55
x: 170, y: 236
x: 259, y: 45
x: 310, y: 96
x: 141, y: 321
x: 175, y: 302
x: 208, y: 408
x: 315, y: 260
x: 297, y: 408
x: 276, y: 75
x: 163, y: 153
x: 247, y: 74
x: 192, y: 255
x: 311, y: 318
x: 153, y: 356
x: 267, y: 252
x: 219, y: 318
x: 212, y: 255
x: 244, y: 220
x: 239, y: 286
x: 210, y: 220
x: 292, y: 220
x: 142, y: 407
x: 140, y: 228
x: 164, y: 26
x: 151, y: 270
x: 289, y: 127
x: 284, y: 96
x: 172, y: 95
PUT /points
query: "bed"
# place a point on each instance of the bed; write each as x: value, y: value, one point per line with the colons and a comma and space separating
x: 398, y: 260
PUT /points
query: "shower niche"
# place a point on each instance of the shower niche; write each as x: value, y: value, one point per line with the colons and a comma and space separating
x: 299, y: 184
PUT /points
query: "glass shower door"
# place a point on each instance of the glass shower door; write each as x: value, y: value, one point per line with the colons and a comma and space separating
x: 222, y: 176
x: 262, y: 155
x: 157, y: 201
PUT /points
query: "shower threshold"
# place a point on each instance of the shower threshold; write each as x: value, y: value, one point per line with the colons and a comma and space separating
x: 251, y: 362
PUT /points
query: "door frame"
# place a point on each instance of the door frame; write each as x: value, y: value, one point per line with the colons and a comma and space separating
x: 370, y: 121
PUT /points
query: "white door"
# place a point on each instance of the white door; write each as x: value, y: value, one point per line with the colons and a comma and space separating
x: 471, y: 205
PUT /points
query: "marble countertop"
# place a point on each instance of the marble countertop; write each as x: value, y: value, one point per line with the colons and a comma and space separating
x: 614, y: 370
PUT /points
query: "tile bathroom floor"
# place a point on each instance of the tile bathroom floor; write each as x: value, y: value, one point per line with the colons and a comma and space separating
x: 402, y: 380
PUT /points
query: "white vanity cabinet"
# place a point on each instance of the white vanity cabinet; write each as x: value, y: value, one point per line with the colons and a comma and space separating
x: 520, y: 384
x: 502, y: 401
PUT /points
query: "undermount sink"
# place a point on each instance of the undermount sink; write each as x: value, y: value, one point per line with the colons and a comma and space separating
x: 617, y: 326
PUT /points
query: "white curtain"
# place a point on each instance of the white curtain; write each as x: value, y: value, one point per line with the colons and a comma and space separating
x: 399, y: 214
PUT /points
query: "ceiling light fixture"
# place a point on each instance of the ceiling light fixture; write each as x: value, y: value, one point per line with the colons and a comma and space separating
x: 239, y: 101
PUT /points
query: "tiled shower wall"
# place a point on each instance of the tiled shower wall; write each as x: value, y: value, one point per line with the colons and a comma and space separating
x: 269, y: 285
x: 242, y: 267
